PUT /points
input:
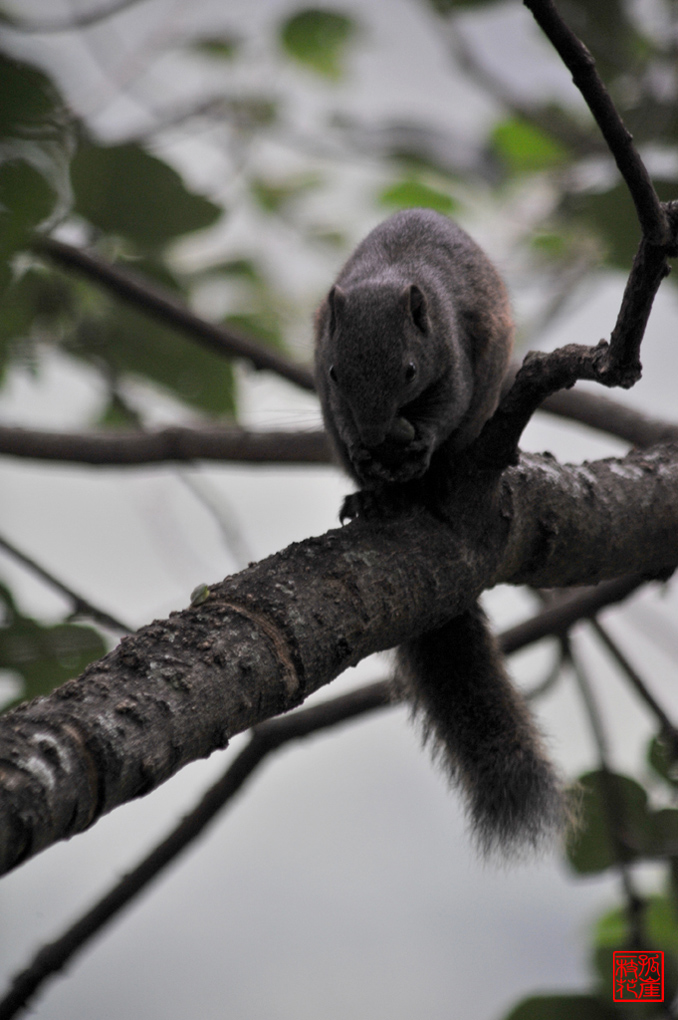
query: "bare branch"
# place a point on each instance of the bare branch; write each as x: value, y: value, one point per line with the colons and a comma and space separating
x: 80, y: 604
x: 165, y: 306
x: 176, y: 443
x: 180, y: 444
x: 599, y: 412
x: 557, y: 619
x: 669, y: 729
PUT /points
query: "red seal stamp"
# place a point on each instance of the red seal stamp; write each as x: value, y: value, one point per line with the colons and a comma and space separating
x: 638, y: 975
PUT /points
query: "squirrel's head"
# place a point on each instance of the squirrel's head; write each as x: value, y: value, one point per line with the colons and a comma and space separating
x: 385, y: 379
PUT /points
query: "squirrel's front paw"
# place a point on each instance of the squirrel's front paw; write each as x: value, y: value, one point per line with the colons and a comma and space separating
x: 358, y: 504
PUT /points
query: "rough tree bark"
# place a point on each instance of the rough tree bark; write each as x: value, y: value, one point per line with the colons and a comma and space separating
x: 259, y: 643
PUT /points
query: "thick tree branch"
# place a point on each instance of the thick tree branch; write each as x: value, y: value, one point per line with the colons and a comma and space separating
x: 165, y: 306
x: 266, y: 638
x: 267, y: 738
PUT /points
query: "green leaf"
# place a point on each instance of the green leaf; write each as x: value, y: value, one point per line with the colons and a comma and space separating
x: 564, y: 1007
x: 409, y: 193
x: 118, y: 415
x: 131, y: 343
x: 663, y: 760
x: 606, y: 799
x: 524, y: 148
x: 263, y: 324
x: 664, y: 833
x: 35, y: 301
x: 318, y: 39
x: 246, y: 269
x: 43, y: 656
x: 122, y: 189
x: 26, y: 199
x: 659, y: 923
x: 611, y: 216
x: 273, y: 195
x: 28, y: 100
x: 221, y: 47
x: 252, y: 112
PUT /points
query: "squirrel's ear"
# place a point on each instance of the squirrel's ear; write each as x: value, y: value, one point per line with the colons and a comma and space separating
x: 415, y: 303
x: 336, y: 299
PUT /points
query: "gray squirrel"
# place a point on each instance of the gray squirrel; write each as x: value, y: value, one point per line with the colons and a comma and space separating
x: 412, y: 346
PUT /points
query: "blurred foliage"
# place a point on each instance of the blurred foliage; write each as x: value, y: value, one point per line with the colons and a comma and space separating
x: 274, y: 196
x: 122, y: 190
x: 408, y: 193
x: 30, y: 105
x: 43, y: 656
x: 222, y: 47
x: 124, y: 341
x: 617, y: 827
x: 317, y: 39
x: 525, y: 148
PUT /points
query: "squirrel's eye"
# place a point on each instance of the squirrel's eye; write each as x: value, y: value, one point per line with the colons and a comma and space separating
x: 410, y: 371
x: 332, y: 373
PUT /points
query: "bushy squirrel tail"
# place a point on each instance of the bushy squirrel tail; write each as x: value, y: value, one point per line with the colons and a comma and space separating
x: 481, y: 732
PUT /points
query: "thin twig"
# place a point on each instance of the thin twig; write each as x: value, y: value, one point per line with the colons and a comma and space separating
x: 669, y: 730
x: 612, y: 803
x: 80, y: 605
x: 545, y: 685
x: 78, y: 21
x: 165, y: 306
x: 580, y: 63
x: 613, y: 363
x: 219, y: 509
x: 557, y: 619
